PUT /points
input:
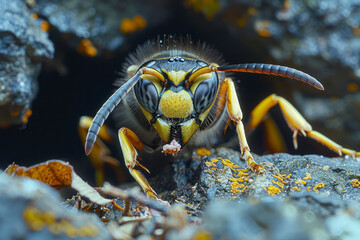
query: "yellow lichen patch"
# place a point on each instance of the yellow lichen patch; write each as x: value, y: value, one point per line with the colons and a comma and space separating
x: 235, y: 187
x: 302, y: 182
x: 34, y: 16
x: 356, y: 31
x: 45, y: 26
x: 287, y: 5
x: 129, y: 25
x: 281, y: 185
x: 202, y: 235
x: 307, y: 176
x: 214, y: 160
x: 26, y: 116
x: 352, y: 87
x: 319, y: 185
x: 208, y: 171
x: 207, y: 7
x: 230, y: 164
x: 37, y: 220
x: 203, y: 152
x: 281, y: 177
x: 210, y: 164
x: 86, y: 48
x: 272, y: 190
x: 308, y: 188
x: 355, y: 183
x: 296, y: 188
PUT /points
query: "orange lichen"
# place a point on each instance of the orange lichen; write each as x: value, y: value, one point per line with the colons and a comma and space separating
x: 319, y: 185
x: 355, y: 183
x: 129, y: 25
x: 356, y: 31
x: 37, y: 220
x: 307, y: 176
x: 279, y: 184
x: 296, y: 188
x: 203, y: 152
x: 308, y: 188
x: 287, y: 5
x: 86, y: 48
x: 214, y: 160
x: 208, y: 171
x: 34, y: 16
x: 300, y: 181
x: 272, y: 190
x: 281, y: 177
x: 352, y: 87
x: 235, y: 186
x: 207, y: 7
x: 26, y: 116
x: 262, y: 28
x: 210, y: 164
x: 45, y: 26
x: 202, y: 235
x: 230, y: 164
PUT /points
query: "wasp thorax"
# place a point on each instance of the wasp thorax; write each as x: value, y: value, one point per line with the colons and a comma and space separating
x: 176, y: 104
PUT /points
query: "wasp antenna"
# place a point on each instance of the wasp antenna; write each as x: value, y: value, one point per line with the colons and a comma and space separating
x: 271, y: 69
x: 107, y: 108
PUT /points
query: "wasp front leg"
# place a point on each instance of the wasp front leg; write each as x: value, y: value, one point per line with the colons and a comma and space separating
x: 130, y: 143
x: 228, y: 92
x: 296, y: 123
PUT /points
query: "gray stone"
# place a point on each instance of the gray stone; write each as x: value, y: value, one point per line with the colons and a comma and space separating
x: 30, y: 209
x: 23, y: 46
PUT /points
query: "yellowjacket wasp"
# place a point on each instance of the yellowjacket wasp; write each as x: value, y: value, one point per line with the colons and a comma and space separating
x: 181, y: 93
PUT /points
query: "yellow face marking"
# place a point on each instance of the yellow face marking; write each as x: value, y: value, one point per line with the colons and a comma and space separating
x: 188, y: 129
x: 163, y: 129
x: 176, y: 105
x: 176, y: 77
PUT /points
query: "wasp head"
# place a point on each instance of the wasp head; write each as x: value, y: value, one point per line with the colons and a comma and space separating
x: 172, y: 105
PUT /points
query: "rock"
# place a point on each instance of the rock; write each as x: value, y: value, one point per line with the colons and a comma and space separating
x: 222, y: 175
x: 100, y: 22
x: 300, y: 197
x: 276, y: 220
x: 32, y: 210
x: 23, y: 46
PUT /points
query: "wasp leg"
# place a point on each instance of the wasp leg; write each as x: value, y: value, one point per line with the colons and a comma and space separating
x: 129, y: 144
x: 99, y: 156
x: 227, y: 90
x: 295, y: 122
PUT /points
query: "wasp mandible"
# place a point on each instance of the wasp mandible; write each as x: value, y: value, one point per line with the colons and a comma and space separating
x: 180, y: 90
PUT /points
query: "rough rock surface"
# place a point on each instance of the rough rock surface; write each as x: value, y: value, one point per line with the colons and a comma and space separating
x: 32, y: 210
x: 303, y: 196
x: 98, y: 21
x: 23, y: 46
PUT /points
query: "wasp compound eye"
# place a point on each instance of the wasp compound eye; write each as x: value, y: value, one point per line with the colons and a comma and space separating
x: 146, y: 94
x: 205, y: 93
